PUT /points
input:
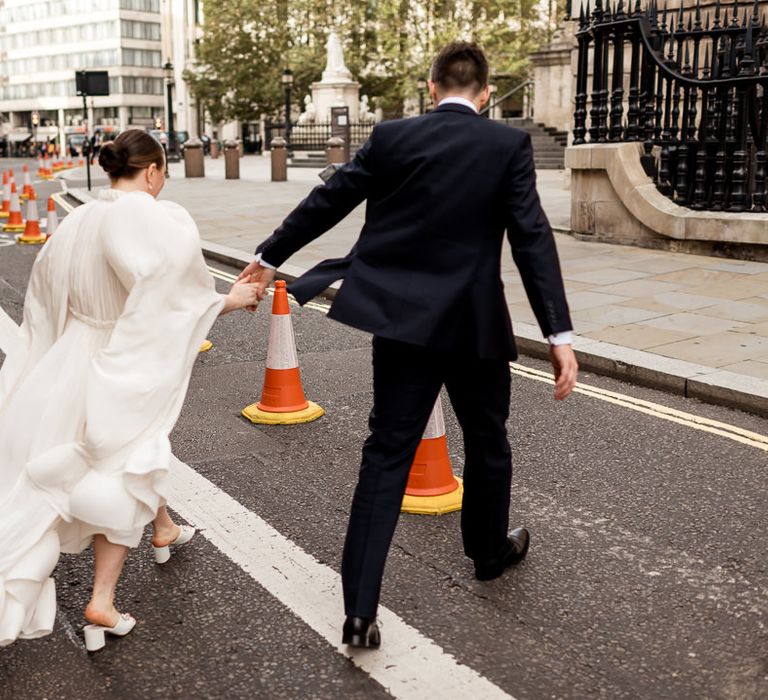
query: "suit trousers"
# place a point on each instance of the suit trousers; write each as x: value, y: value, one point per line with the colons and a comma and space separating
x: 406, y: 383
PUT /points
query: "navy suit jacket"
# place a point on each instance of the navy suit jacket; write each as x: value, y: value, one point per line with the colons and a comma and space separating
x: 441, y: 190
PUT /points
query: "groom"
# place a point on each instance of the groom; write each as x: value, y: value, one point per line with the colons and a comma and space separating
x: 424, y: 278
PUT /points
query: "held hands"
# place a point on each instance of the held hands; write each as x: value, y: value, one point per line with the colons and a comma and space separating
x: 566, y: 369
x: 258, y: 275
x: 242, y: 295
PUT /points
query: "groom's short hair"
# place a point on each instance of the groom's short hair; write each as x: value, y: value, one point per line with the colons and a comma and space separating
x: 460, y: 65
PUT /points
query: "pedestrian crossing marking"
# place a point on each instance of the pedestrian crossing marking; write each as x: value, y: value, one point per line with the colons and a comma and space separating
x: 409, y: 665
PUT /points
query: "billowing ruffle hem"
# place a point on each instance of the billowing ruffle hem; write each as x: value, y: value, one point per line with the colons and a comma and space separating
x: 59, y: 503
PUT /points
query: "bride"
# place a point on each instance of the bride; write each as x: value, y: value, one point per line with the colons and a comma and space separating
x: 118, y: 303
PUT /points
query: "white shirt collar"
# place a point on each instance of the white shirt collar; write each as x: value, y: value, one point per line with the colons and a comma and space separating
x: 463, y: 101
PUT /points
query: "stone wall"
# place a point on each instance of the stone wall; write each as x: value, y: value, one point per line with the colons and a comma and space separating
x: 554, y: 80
x: 613, y: 200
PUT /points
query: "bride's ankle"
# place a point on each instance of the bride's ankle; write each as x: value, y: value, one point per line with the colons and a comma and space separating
x: 163, y: 536
x: 101, y: 613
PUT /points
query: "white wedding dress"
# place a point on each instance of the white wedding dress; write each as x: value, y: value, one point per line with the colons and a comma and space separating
x: 118, y: 303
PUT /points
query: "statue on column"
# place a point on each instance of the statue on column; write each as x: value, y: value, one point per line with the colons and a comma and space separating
x: 334, y: 67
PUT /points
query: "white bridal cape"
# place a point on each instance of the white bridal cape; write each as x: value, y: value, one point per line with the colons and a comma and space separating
x: 117, y: 306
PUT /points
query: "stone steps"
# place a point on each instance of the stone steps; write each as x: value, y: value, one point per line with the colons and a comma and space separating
x: 548, y: 143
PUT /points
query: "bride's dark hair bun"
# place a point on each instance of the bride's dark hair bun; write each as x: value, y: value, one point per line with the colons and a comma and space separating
x: 130, y: 153
x: 113, y: 159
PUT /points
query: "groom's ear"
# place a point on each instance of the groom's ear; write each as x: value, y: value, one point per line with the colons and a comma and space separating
x: 433, y: 91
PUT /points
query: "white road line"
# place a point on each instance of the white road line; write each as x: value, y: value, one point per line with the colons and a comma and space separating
x: 408, y: 665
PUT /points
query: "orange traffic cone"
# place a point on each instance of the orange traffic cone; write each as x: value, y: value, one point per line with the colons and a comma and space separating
x: 32, y: 233
x: 70, y: 164
x: 27, y: 184
x: 282, y: 399
x: 432, y: 488
x: 48, y: 168
x: 15, y: 223
x: 11, y: 178
x: 5, y: 211
x: 52, y: 222
x: 80, y: 163
x: 40, y: 167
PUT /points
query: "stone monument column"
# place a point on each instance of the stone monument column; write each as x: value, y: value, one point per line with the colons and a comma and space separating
x: 336, y: 88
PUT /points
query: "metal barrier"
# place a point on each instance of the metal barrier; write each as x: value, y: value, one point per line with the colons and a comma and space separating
x: 697, y: 97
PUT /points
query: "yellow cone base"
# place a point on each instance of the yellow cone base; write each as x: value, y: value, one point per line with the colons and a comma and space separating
x: 256, y: 415
x: 32, y: 240
x: 4, y: 214
x: 206, y: 346
x: 434, y: 505
x: 14, y: 229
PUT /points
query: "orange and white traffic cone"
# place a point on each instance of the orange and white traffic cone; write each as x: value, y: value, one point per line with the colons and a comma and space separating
x: 80, y: 163
x: 432, y: 488
x: 25, y: 193
x: 32, y: 234
x: 6, y: 208
x: 70, y: 164
x: 282, y: 398
x: 15, y: 223
x: 11, y: 178
x: 52, y: 222
x: 48, y: 168
x: 40, y: 167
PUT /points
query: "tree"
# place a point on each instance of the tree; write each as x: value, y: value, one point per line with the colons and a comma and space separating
x: 388, y: 44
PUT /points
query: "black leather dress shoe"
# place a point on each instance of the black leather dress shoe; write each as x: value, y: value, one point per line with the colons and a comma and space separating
x: 517, y: 547
x: 361, y: 632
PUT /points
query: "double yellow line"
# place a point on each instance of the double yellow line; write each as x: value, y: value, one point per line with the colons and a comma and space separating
x: 689, y: 420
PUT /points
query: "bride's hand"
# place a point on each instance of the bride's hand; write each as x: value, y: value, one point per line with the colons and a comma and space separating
x: 243, y: 295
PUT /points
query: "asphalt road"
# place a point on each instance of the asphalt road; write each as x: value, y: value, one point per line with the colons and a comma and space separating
x: 646, y: 576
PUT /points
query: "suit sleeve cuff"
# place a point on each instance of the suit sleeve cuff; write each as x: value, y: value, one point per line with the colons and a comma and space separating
x: 563, y: 338
x: 264, y: 263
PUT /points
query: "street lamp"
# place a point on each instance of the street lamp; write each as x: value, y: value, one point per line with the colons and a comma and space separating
x: 421, y: 84
x: 287, y: 81
x: 172, y: 150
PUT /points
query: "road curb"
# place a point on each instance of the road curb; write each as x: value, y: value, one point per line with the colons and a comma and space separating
x: 707, y: 384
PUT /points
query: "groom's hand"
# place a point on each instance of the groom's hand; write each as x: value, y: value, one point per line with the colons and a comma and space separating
x: 259, y: 275
x: 566, y: 369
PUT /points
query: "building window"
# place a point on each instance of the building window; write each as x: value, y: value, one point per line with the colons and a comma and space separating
x: 62, y: 35
x: 140, y: 5
x: 149, y: 31
x: 142, y: 86
x: 142, y: 57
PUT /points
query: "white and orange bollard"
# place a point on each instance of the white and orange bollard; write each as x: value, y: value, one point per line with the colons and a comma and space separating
x: 432, y: 487
x: 52, y: 220
x: 282, y: 398
x: 32, y: 234
x: 27, y: 189
x: 15, y: 223
x: 6, y: 208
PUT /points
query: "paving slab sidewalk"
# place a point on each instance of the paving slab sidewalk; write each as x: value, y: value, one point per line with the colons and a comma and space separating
x: 692, y: 324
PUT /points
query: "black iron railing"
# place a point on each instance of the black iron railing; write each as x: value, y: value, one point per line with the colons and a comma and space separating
x: 314, y: 137
x: 691, y: 85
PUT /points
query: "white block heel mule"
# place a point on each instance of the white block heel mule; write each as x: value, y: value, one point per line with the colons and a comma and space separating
x: 95, y: 635
x: 163, y: 554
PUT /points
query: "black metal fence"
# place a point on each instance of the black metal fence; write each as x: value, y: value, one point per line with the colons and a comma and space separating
x: 691, y: 85
x: 313, y: 137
